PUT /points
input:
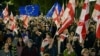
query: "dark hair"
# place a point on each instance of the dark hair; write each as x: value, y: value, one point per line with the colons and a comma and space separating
x: 93, y: 50
x: 18, y: 44
x: 49, y: 33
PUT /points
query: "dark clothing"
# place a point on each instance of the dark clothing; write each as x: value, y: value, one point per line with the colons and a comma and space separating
x: 97, y: 48
x: 52, y: 51
x: 77, y: 48
x: 90, y: 39
x: 62, y: 45
x: 29, y: 51
x: 37, y: 41
x: 3, y: 53
x: 13, y: 49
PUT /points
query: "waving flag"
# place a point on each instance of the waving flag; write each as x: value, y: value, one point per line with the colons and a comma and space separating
x: 96, y: 11
x: 12, y: 23
x: 62, y: 12
x: 45, y: 42
x: 96, y: 17
x: 68, y: 16
x: 25, y: 21
x: 5, y: 15
x: 12, y: 17
x: 50, y: 12
x: 55, y: 16
x: 82, y: 24
x: 30, y: 10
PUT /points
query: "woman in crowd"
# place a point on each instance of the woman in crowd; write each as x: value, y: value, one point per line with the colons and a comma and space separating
x: 70, y: 38
x: 48, y: 45
x: 20, y: 46
x: 69, y: 51
x: 92, y: 52
x: 85, y: 52
x: 11, y: 45
x: 97, y: 47
x: 6, y: 51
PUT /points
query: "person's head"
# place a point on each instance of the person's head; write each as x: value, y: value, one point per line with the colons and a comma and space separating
x: 72, y: 33
x: 68, y: 46
x: 34, y: 29
x: 20, y: 42
x: 9, y: 40
x: 20, y: 39
x: 6, y: 46
x: 47, y: 28
x: 92, y: 52
x: 85, y: 52
x: 38, y: 32
x: 49, y: 36
x: 57, y: 37
x: 66, y: 31
x: 29, y: 43
x: 46, y: 54
x: 91, y: 29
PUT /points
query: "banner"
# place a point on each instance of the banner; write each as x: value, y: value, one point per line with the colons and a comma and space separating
x: 30, y: 10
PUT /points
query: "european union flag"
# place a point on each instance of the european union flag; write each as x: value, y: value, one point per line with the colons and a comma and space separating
x: 50, y: 12
x: 31, y: 10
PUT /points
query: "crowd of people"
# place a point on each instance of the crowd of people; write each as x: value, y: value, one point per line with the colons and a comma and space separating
x: 29, y: 42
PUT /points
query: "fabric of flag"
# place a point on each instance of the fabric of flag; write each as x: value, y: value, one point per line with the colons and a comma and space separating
x: 12, y: 23
x: 62, y: 37
x: 50, y: 12
x: 83, y: 21
x: 61, y: 13
x: 25, y: 21
x: 30, y: 10
x: 96, y: 17
x: 98, y: 28
x: 12, y: 17
x: 45, y: 42
x: 68, y: 16
x: 55, y: 16
x: 96, y: 11
x: 5, y: 15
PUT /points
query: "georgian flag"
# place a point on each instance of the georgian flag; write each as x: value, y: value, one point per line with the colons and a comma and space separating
x: 68, y: 16
x: 83, y: 21
x: 96, y: 17
x: 25, y: 21
x: 45, y: 42
x: 55, y: 16
x: 12, y: 23
x: 5, y: 15
x: 61, y: 13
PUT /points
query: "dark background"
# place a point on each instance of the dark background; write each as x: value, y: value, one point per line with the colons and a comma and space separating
x: 45, y: 5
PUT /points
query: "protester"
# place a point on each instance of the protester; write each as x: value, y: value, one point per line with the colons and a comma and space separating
x: 69, y: 51
x: 20, y: 46
x: 6, y: 51
x: 92, y: 52
x: 85, y: 52
x: 29, y: 50
x: 50, y: 46
x: 11, y: 45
